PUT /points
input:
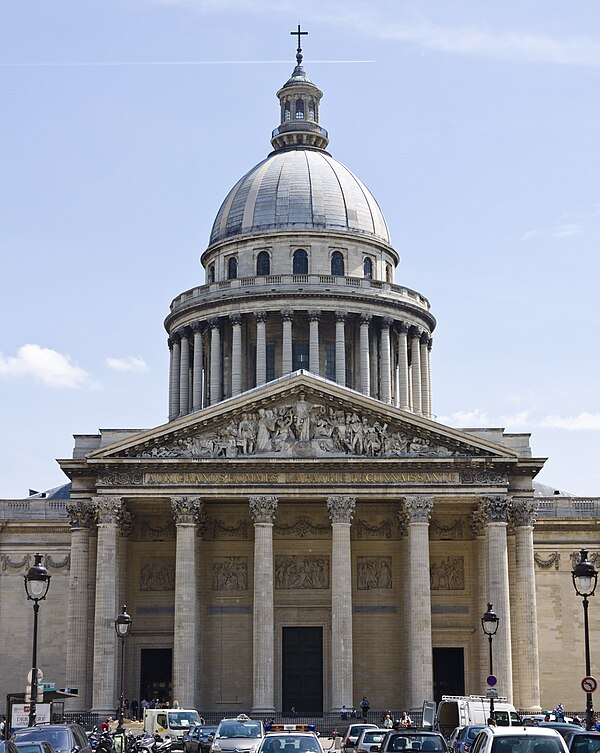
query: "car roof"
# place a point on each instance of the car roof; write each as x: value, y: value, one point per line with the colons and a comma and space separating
x: 522, y: 730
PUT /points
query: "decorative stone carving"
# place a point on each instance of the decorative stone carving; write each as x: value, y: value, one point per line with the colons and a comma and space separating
x: 230, y: 574
x: 218, y: 530
x: 260, y: 316
x: 263, y: 509
x: 341, y: 316
x: 314, y: 315
x: 403, y: 328
x: 455, y: 530
x: 362, y: 530
x: 302, y: 527
x: 341, y: 508
x: 108, y: 510
x: 523, y: 512
x: 157, y: 575
x: 64, y: 563
x: 310, y: 571
x: 402, y: 521
x: 418, y: 508
x: 482, y: 477
x: 186, y: 509
x: 365, y: 318
x: 8, y: 562
x: 287, y: 315
x: 235, y: 319
x: 80, y: 514
x: 477, y: 522
x: 495, y: 509
x: 593, y: 557
x: 447, y: 574
x: 144, y: 531
x: 373, y: 573
x: 552, y: 559
x: 120, y: 478
x: 126, y: 522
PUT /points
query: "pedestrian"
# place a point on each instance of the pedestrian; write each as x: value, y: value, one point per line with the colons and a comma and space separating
x: 560, y: 713
x: 175, y: 704
x: 491, y: 722
x: 547, y: 718
x: 364, y: 704
x: 134, y: 709
x: 405, y: 721
x: 344, y: 712
x: 388, y: 722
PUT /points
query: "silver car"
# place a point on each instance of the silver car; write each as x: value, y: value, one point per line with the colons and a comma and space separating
x: 239, y: 735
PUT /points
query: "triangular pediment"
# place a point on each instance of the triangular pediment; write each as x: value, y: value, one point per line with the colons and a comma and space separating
x: 302, y: 416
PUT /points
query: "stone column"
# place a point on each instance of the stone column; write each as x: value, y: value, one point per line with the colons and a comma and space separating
x: 313, y: 341
x: 525, y: 629
x: 424, y: 374
x: 495, y: 511
x: 176, y: 365
x: 365, y: 380
x: 403, y: 364
x: 261, y: 347
x: 415, y: 345
x: 104, y: 691
x: 287, y: 363
x: 171, y: 377
x: 341, y: 509
x: 81, y: 518
x: 386, y: 361
x: 236, y: 353
x: 184, y: 374
x: 420, y: 651
x: 187, y: 512
x: 197, y: 367
x: 340, y: 347
x: 479, y: 531
x: 429, y: 347
x: 263, y: 511
x: 216, y: 385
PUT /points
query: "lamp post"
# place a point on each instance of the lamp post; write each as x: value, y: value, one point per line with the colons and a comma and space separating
x: 37, y: 583
x: 585, y: 578
x: 122, y: 628
x: 489, y: 623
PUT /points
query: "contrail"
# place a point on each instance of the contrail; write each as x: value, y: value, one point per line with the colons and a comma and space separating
x: 141, y: 63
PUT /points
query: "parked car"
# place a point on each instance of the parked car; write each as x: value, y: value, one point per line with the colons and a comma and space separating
x: 463, y: 738
x: 7, y: 746
x: 238, y: 735
x: 41, y: 746
x: 199, y: 739
x: 64, y: 738
x: 561, y: 727
x: 351, y: 735
x: 368, y: 739
x: 293, y: 741
x: 411, y: 739
x: 518, y: 740
x: 581, y: 741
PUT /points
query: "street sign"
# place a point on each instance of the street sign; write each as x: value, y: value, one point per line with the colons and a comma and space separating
x: 40, y: 675
x: 49, y: 686
x: 589, y: 684
x: 491, y: 693
x: 491, y: 680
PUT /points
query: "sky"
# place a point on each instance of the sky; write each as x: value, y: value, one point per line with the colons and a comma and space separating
x: 124, y: 123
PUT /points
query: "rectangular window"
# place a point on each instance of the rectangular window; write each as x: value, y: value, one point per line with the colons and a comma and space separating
x: 270, y: 362
x: 299, y: 356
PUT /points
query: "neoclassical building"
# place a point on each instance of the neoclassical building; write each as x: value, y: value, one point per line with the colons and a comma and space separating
x: 301, y: 531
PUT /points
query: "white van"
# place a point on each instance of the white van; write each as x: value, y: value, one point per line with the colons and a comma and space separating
x: 173, y: 723
x: 459, y: 711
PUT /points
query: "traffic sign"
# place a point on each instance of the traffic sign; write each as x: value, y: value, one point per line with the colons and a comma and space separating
x: 491, y: 680
x: 40, y: 675
x: 491, y: 693
x: 589, y: 684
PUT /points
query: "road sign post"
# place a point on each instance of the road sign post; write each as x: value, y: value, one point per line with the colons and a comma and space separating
x: 589, y: 684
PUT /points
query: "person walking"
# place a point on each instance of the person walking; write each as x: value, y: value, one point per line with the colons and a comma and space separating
x: 365, y: 706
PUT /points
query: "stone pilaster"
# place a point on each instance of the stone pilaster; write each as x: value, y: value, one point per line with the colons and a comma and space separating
x: 403, y: 365
x: 424, y: 374
x: 286, y: 351
x: 175, y: 368
x: 415, y: 369
x: 429, y: 401
x: 184, y: 374
x: 81, y: 518
x: 261, y: 347
x: 104, y: 691
x: 313, y: 341
x: 340, y: 347
x: 263, y: 511
x: 495, y: 511
x: 386, y: 361
x: 197, y: 367
x: 420, y: 652
x: 525, y: 628
x: 341, y: 510
x: 479, y: 531
x: 186, y: 512
x: 216, y: 385
x: 236, y: 353
x: 365, y: 375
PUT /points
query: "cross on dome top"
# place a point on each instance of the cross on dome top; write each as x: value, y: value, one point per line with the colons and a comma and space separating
x: 298, y: 33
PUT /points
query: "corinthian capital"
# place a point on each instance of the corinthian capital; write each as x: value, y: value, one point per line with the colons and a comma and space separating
x: 341, y: 508
x: 495, y: 509
x: 108, y: 510
x: 80, y: 514
x: 263, y: 509
x: 418, y: 508
x: 523, y: 512
x: 186, y: 509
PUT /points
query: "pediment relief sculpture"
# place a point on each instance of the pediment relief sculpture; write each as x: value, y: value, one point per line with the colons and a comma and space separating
x: 299, y: 428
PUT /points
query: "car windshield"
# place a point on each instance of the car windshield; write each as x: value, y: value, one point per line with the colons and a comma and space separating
x: 183, y: 719
x: 30, y: 748
x: 407, y: 741
x: 472, y: 732
x: 58, y: 738
x: 585, y: 744
x: 240, y: 729
x: 373, y: 737
x: 527, y: 744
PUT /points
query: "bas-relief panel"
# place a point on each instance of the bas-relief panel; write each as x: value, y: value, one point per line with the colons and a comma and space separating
x: 157, y: 574
x: 373, y: 573
x: 230, y: 574
x: 447, y: 573
x: 301, y: 571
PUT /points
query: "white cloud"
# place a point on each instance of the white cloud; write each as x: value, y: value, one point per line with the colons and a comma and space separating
x: 45, y: 365
x: 131, y: 363
x: 567, y: 230
x: 573, y: 423
x: 531, y: 234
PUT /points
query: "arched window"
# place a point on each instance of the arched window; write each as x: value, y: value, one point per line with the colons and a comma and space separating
x: 263, y: 264
x: 337, y: 264
x: 311, y: 109
x: 287, y: 114
x: 368, y: 268
x: 211, y: 274
x: 232, y: 268
x: 299, y: 109
x: 300, y: 266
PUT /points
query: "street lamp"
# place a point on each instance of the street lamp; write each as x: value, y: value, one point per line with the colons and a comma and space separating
x: 585, y: 578
x: 489, y: 623
x: 37, y: 583
x: 122, y: 628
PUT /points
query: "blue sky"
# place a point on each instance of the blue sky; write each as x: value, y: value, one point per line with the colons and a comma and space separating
x: 126, y: 122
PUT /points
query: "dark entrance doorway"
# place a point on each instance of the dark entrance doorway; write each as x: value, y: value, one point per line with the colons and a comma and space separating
x: 156, y: 672
x: 302, y: 669
x: 448, y: 672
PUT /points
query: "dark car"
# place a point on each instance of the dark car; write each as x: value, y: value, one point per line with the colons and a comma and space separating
x: 561, y: 727
x: 197, y: 739
x: 463, y: 739
x: 42, y: 746
x: 398, y: 741
x: 580, y: 741
x: 64, y: 738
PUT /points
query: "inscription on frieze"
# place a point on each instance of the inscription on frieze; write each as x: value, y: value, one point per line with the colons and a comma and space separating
x: 198, y: 478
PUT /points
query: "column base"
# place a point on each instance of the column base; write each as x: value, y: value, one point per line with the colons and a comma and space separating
x: 263, y: 711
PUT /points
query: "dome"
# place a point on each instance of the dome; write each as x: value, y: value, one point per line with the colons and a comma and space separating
x: 299, y: 189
